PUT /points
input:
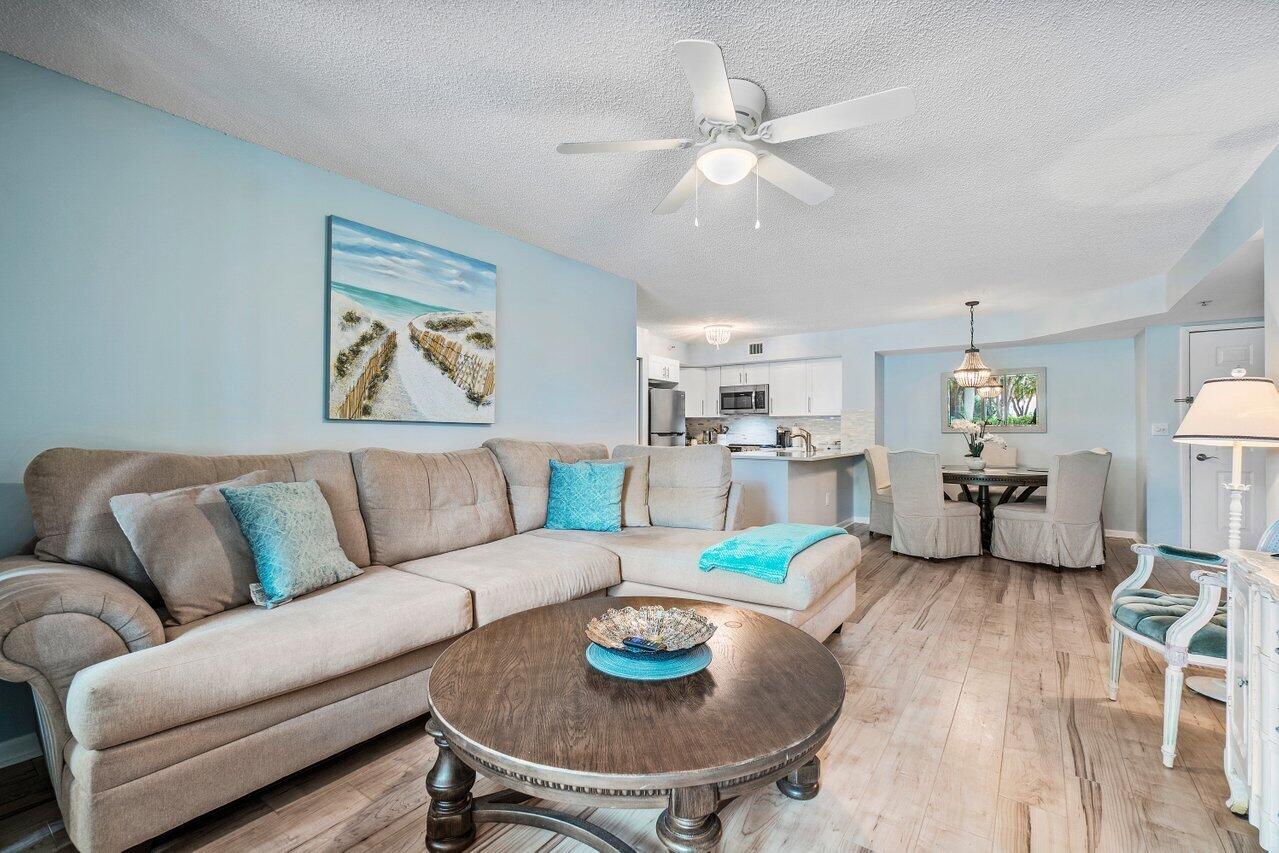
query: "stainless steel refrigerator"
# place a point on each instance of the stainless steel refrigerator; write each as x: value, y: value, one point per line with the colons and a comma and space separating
x: 665, y: 417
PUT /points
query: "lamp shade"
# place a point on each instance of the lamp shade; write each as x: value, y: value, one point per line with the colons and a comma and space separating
x: 1236, y: 410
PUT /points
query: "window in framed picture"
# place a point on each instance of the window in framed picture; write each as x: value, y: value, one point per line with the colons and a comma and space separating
x: 1019, y: 407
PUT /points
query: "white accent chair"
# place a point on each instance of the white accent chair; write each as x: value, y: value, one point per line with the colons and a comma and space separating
x: 925, y: 524
x: 1065, y: 531
x: 881, y: 490
x: 1183, y: 629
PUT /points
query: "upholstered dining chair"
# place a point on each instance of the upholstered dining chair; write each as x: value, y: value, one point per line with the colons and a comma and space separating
x: 881, y: 490
x: 999, y: 457
x: 925, y: 524
x: 1066, y: 530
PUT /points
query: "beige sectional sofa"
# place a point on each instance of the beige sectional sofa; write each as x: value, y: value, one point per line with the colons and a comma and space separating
x: 147, y: 724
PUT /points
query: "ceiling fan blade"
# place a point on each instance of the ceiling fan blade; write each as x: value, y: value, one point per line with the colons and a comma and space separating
x: 792, y: 179
x: 625, y: 145
x: 890, y: 104
x: 704, y: 65
x: 680, y: 193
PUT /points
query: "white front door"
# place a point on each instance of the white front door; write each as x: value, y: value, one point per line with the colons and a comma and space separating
x: 1214, y: 354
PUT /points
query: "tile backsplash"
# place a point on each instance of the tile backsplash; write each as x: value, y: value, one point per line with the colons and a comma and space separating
x: 761, y: 429
x: 854, y: 429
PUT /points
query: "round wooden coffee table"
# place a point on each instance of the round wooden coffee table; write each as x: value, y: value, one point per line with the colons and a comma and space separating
x: 517, y: 701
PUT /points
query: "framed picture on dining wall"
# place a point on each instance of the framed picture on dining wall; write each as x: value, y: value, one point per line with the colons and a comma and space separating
x: 1020, y: 407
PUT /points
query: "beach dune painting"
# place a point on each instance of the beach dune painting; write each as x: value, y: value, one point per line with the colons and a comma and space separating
x: 412, y: 329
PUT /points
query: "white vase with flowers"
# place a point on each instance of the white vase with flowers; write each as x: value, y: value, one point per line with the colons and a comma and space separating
x: 975, y: 434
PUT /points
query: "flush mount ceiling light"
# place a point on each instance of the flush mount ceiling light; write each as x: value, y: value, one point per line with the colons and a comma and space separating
x: 729, y: 115
x: 717, y: 334
x: 973, y: 372
x: 727, y: 161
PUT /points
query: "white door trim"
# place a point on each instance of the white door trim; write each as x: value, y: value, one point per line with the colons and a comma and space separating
x: 1183, y: 389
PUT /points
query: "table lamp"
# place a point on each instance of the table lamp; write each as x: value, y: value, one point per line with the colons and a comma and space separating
x: 1237, y: 411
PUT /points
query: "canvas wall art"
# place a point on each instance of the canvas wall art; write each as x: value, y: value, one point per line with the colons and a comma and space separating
x: 412, y: 329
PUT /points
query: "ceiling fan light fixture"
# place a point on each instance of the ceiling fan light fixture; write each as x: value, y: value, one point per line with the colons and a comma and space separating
x: 717, y: 334
x: 727, y: 161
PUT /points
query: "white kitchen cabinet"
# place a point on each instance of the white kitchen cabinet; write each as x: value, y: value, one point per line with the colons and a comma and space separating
x: 788, y: 389
x: 712, y: 391
x: 809, y: 387
x: 744, y: 374
x: 692, y: 381
x: 756, y: 374
x: 662, y: 369
x: 826, y: 386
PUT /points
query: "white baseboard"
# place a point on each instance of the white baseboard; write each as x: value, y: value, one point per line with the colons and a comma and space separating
x: 1123, y: 534
x: 22, y: 748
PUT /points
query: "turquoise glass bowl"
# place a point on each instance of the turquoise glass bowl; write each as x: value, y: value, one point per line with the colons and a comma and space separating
x: 648, y: 666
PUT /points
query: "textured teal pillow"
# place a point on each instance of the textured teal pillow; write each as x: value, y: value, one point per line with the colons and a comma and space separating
x: 290, y: 530
x: 585, y: 495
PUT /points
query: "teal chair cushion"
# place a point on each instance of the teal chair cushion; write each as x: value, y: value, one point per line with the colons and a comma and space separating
x: 1202, y: 558
x: 1150, y: 613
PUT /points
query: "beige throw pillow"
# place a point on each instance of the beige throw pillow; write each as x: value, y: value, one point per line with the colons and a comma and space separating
x: 191, y: 546
x: 635, y: 492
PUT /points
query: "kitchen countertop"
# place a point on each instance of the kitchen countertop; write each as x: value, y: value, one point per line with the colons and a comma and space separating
x: 816, y: 456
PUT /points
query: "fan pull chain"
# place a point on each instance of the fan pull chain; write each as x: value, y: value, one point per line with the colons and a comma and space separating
x: 757, y: 201
x: 697, y: 198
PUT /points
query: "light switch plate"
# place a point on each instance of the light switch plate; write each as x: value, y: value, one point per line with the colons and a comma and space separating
x: 1159, y: 429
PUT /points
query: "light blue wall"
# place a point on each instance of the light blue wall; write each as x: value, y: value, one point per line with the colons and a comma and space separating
x: 1091, y: 403
x: 163, y: 286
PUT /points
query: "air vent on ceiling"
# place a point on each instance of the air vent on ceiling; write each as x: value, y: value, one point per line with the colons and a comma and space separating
x: 757, y: 349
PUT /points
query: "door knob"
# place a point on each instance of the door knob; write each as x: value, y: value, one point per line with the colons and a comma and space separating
x: 1203, y: 457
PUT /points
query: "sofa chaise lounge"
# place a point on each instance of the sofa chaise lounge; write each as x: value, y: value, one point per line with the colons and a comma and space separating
x: 147, y: 724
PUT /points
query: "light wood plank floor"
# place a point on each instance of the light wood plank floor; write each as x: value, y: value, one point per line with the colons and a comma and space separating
x: 976, y: 719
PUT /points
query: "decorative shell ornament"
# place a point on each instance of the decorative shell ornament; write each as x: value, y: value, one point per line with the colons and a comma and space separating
x: 649, y: 629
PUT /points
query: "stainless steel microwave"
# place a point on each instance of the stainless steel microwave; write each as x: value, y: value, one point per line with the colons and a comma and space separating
x: 743, y: 400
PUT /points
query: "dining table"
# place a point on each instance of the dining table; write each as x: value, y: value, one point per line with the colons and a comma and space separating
x: 1019, y: 484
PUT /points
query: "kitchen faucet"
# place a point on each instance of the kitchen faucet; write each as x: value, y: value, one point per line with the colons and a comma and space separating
x: 799, y: 431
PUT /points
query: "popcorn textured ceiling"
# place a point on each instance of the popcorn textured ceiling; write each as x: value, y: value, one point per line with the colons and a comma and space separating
x: 1058, y: 147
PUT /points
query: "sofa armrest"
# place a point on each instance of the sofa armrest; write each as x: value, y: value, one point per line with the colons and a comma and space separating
x: 56, y: 619
x: 733, y: 518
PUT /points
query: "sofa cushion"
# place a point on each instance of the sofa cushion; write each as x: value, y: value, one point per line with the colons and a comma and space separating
x: 687, y: 486
x: 191, y: 546
x: 290, y: 530
x: 521, y: 572
x: 586, y: 495
x: 69, y: 490
x: 667, y: 557
x: 635, y: 492
x: 527, y: 468
x: 422, y: 504
x: 242, y: 656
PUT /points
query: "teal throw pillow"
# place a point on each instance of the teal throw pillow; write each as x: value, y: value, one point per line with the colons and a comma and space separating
x: 290, y: 531
x: 585, y: 495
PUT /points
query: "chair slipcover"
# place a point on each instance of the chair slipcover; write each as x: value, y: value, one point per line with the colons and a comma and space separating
x: 999, y: 457
x: 924, y: 523
x: 881, y: 490
x: 1067, y: 530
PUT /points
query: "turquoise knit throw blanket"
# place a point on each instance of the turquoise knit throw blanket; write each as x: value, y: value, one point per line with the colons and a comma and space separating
x: 765, y: 552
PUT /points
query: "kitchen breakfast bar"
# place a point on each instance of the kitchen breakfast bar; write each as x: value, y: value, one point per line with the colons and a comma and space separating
x: 797, y: 486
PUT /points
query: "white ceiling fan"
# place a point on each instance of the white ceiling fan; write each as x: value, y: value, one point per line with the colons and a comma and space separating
x: 728, y: 120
